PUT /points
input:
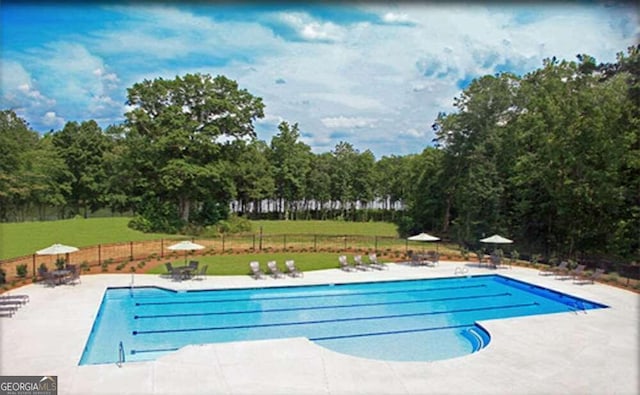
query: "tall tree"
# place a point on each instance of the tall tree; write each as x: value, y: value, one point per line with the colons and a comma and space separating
x: 82, y: 146
x: 175, y: 133
x: 290, y: 159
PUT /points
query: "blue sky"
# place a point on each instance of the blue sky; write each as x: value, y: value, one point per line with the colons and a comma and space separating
x: 373, y: 74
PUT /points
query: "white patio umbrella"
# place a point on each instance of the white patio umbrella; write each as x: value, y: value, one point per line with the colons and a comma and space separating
x: 496, y: 239
x: 424, y: 237
x: 185, y: 246
x: 56, y: 249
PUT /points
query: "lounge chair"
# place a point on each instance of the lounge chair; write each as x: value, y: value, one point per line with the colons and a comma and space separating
x: 592, y: 278
x: 344, y: 264
x: 8, y: 311
x: 23, y: 299
x: 373, y: 261
x: 357, y: 263
x: 561, y: 270
x: 577, y: 272
x: 292, y: 270
x: 273, y: 269
x: 256, y: 272
x: 551, y: 270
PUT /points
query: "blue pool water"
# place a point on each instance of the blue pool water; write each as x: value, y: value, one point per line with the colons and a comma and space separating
x: 414, y: 320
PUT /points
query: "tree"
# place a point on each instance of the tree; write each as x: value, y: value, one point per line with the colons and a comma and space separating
x: 290, y: 160
x: 174, y: 136
x: 82, y: 146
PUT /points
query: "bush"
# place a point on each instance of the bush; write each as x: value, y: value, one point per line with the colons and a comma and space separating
x: 21, y: 270
x: 234, y: 225
x: 60, y: 263
x: 3, y: 276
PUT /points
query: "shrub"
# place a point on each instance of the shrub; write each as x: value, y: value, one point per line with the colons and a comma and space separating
x: 21, y: 270
x: 60, y: 263
x: 85, y: 267
x: 3, y: 276
x: 121, y: 266
x: 234, y: 224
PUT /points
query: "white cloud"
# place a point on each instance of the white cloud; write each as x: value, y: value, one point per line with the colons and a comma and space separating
x: 52, y: 120
x: 392, y: 17
x: 310, y: 29
x: 342, y: 122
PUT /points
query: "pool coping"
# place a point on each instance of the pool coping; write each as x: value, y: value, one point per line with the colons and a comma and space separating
x: 582, y: 353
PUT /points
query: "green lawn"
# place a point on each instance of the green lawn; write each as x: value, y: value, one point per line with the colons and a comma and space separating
x: 326, y: 228
x: 24, y: 238
x: 239, y: 264
x: 19, y: 239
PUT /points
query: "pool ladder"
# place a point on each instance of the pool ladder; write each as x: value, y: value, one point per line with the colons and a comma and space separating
x: 460, y: 271
x: 121, y: 357
x: 577, y: 306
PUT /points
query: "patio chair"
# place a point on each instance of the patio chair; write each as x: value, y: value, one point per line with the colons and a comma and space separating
x: 551, y: 270
x: 74, y: 275
x: 432, y: 258
x: 200, y: 275
x: 173, y: 273
x: 191, y: 270
x: 357, y: 263
x: 495, y: 260
x: 47, y: 277
x: 273, y: 269
x: 373, y: 261
x: 591, y: 278
x: 344, y: 264
x: 292, y: 270
x: 256, y: 272
x: 416, y: 259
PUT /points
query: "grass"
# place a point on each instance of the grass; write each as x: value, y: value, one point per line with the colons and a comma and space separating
x: 326, y: 228
x: 239, y: 264
x: 19, y: 239
x: 24, y: 238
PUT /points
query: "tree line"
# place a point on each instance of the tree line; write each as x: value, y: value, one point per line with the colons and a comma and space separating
x: 550, y: 158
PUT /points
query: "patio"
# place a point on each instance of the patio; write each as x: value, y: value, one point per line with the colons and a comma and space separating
x: 582, y: 353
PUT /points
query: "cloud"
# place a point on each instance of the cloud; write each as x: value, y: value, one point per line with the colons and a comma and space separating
x: 52, y: 120
x: 342, y: 122
x: 310, y: 29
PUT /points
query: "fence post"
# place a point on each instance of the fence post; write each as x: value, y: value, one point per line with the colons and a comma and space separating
x: 161, y: 248
x: 285, y: 242
x: 315, y: 242
x: 34, y: 265
x: 131, y: 250
x: 375, y: 243
x: 254, y: 241
x: 345, y: 242
x: 223, y: 243
x: 99, y: 254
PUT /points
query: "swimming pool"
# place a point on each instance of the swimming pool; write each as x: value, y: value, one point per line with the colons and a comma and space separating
x: 410, y: 320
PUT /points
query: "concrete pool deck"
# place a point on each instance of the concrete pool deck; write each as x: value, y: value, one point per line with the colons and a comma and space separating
x: 596, y: 352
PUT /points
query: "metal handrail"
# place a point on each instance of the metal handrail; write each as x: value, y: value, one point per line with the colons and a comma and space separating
x: 121, y: 355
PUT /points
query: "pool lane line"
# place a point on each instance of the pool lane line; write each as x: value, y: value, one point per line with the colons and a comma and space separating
x: 324, y: 295
x: 177, y: 315
x: 216, y: 328
x: 338, y: 337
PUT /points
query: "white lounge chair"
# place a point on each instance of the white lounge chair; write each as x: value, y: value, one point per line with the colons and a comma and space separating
x: 292, y: 270
x: 344, y: 264
x: 373, y: 261
x: 357, y: 259
x: 255, y: 270
x: 273, y: 269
